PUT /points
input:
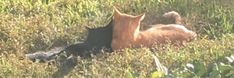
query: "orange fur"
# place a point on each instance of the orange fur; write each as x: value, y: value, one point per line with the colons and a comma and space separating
x: 126, y: 33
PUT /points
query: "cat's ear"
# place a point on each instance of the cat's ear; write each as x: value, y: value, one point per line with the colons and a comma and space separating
x: 140, y: 17
x: 117, y: 13
x: 87, y: 28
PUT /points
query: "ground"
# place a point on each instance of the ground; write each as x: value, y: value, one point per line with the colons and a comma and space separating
x: 27, y: 26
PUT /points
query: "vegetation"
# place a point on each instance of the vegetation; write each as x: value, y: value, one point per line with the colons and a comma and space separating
x: 28, y: 26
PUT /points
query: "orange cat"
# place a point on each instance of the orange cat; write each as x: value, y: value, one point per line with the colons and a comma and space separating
x: 126, y: 32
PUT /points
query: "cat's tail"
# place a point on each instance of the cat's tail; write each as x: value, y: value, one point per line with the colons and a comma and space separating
x: 174, y: 15
x: 44, y: 56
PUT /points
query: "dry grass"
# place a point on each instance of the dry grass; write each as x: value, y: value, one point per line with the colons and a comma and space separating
x: 30, y: 25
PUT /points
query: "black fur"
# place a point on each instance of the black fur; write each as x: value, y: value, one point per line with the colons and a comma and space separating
x: 97, y: 39
x: 101, y: 37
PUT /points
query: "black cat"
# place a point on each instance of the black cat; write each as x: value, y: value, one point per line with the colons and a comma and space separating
x: 98, y: 39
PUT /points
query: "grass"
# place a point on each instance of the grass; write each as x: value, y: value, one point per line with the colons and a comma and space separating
x: 30, y: 25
